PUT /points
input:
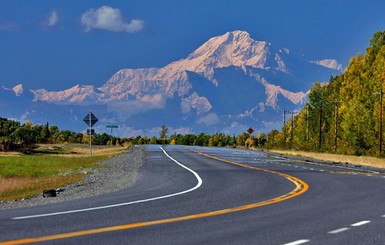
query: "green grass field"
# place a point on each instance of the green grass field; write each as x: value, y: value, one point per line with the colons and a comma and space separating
x: 48, y: 167
x: 43, y: 165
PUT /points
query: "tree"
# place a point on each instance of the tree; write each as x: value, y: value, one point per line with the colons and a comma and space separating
x: 25, y: 135
x: 378, y: 39
x: 163, y: 134
x: 153, y: 140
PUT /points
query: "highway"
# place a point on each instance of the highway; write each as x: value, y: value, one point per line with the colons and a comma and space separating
x: 203, y: 195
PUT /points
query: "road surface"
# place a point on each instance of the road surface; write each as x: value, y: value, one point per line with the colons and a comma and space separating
x: 196, y: 195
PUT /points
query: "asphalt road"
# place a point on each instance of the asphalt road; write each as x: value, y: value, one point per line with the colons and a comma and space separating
x: 184, y: 197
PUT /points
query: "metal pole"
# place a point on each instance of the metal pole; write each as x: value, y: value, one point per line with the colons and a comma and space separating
x: 90, y: 135
x: 335, y: 127
x: 284, y: 122
x: 292, y: 128
x: 381, y: 122
x: 336, y: 123
x: 320, y: 129
x: 380, y: 136
x: 307, y: 122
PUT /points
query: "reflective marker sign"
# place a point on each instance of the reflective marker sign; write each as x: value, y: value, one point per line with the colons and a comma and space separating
x: 90, y: 119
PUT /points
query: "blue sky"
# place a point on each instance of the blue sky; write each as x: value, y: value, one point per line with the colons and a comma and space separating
x: 56, y: 44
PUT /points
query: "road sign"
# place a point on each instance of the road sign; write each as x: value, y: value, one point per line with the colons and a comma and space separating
x: 111, y: 126
x: 250, y: 130
x: 90, y: 119
x: 92, y: 131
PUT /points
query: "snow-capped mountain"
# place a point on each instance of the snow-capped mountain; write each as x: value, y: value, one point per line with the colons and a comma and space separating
x: 18, y: 89
x: 229, y: 80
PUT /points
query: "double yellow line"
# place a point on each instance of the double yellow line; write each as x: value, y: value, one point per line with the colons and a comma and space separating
x: 300, y: 188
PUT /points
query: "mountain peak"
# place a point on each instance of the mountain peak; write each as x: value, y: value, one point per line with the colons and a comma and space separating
x: 238, y: 35
x: 234, y: 48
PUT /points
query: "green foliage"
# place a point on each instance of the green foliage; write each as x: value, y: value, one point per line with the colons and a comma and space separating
x: 14, y: 136
x: 42, y: 165
x: 344, y: 111
x: 153, y: 140
x: 378, y: 39
x: 163, y: 132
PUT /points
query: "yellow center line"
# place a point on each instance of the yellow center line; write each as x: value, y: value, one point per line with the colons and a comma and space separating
x: 300, y: 188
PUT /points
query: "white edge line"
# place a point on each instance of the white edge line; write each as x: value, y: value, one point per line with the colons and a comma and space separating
x: 297, y: 242
x: 361, y: 223
x: 126, y: 203
x: 338, y: 230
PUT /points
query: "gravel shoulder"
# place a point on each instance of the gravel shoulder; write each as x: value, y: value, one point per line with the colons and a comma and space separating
x: 117, y: 173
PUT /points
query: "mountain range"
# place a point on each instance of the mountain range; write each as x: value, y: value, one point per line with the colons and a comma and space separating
x: 228, y: 84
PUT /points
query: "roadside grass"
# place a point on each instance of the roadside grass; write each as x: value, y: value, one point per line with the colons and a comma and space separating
x: 358, y: 160
x: 47, y: 167
x: 24, y: 187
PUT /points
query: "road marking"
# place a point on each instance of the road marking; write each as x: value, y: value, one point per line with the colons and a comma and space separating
x: 300, y: 188
x: 126, y: 203
x: 338, y: 230
x: 383, y: 216
x: 297, y: 242
x: 321, y: 170
x: 361, y: 223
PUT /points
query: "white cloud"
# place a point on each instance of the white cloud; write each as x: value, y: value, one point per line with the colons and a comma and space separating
x: 53, y: 18
x: 181, y: 130
x: 235, y: 128
x: 9, y: 27
x: 186, y: 107
x: 126, y: 109
x: 110, y: 19
x: 24, y: 116
x: 209, y: 119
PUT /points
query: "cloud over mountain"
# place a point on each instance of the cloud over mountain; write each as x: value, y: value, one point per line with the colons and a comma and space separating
x: 109, y: 19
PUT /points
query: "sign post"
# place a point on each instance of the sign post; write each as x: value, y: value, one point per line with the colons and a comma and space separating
x: 90, y: 120
x: 111, y: 127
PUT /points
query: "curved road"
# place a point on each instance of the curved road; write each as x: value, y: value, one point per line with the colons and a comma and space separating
x: 200, y: 195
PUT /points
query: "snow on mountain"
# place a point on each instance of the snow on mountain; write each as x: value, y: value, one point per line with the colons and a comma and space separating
x: 77, y: 94
x: 328, y: 63
x: 199, y: 103
x: 229, y: 76
x: 231, y: 49
x: 18, y: 89
x: 272, y: 92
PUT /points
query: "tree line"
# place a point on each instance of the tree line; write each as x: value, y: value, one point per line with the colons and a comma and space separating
x: 341, y: 116
x: 344, y: 115
x: 14, y: 136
